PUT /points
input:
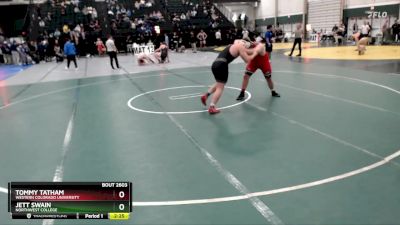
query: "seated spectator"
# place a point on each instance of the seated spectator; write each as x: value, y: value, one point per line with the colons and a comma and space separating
x: 133, y: 25
x: 159, y: 15
x: 41, y: 23
x: 193, y: 13
x: 58, y: 52
x: 339, y: 34
x: 183, y: 16
x: 49, y: 16
x: 94, y: 14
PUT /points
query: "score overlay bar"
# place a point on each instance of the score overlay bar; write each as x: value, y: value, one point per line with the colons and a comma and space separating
x: 70, y: 200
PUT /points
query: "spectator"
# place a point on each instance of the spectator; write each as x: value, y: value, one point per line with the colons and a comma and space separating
x: 370, y: 28
x: 41, y: 23
x: 335, y: 28
x: 76, y: 10
x: 7, y: 53
x: 70, y: 52
x: 365, y: 29
x: 268, y: 40
x: 14, y: 53
x: 2, y: 60
x: 49, y: 17
x: 245, y: 34
x: 166, y: 40
x: 159, y: 15
x: 58, y: 52
x: 193, y: 13
x: 57, y: 33
x: 218, y: 37
x: 340, y: 33
x: 23, y: 57
x: 175, y: 41
x: 148, y: 4
x: 279, y: 36
x: 94, y: 14
x: 396, y: 31
x: 112, y: 51
x: 183, y: 16
x: 193, y: 42
x: 188, y: 14
x: 355, y: 27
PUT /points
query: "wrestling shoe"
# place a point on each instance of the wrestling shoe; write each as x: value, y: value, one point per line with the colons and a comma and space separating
x: 213, y: 110
x: 275, y: 94
x: 204, y: 99
x: 240, y: 97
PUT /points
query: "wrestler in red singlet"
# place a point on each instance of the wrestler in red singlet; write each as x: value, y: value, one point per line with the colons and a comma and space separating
x: 261, y: 61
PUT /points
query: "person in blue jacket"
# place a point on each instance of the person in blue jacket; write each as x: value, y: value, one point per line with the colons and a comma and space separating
x: 268, y: 39
x: 70, y: 52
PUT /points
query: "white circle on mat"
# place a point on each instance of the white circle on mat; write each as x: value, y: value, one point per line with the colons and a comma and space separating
x: 130, y: 105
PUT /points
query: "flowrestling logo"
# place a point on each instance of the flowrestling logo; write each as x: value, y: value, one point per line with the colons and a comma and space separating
x: 376, y: 14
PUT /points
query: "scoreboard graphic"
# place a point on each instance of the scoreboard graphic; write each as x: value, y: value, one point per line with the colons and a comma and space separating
x: 70, y: 200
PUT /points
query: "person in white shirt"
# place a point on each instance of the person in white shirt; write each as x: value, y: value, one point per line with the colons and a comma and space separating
x: 364, y: 30
x: 218, y: 37
x: 112, y: 51
x: 245, y: 34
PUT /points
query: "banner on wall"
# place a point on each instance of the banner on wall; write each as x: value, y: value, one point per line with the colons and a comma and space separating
x: 138, y: 49
x: 376, y: 14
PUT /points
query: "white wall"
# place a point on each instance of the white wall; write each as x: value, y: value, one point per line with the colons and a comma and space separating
x: 365, y: 3
x: 239, y: 8
x: 290, y: 7
x: 19, y: 2
x: 266, y: 9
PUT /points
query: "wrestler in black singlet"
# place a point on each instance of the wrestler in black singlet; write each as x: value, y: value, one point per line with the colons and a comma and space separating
x: 220, y: 65
x: 164, y: 54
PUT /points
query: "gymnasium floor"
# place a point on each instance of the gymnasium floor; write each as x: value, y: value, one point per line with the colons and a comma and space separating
x: 326, y: 152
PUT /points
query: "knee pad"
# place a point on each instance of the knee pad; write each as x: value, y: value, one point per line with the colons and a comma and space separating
x: 249, y: 73
x: 267, y: 75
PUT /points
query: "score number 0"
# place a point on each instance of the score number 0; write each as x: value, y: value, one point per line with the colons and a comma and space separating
x: 121, y: 194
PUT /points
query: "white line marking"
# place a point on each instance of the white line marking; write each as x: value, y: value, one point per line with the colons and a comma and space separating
x: 274, y: 191
x: 130, y: 101
x: 255, y: 194
x: 4, y: 190
x: 179, y: 97
x: 330, y: 137
x: 342, y: 77
x: 334, y: 97
x: 59, y: 172
x: 265, y: 211
x: 268, y: 192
